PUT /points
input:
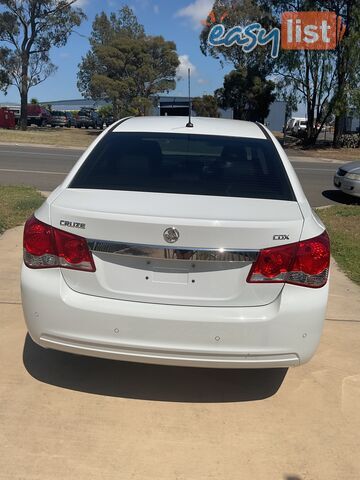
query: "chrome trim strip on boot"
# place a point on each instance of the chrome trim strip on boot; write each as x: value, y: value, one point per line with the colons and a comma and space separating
x: 172, y: 253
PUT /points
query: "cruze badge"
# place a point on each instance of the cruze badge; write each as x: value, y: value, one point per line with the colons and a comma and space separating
x: 171, y: 235
x: 66, y: 223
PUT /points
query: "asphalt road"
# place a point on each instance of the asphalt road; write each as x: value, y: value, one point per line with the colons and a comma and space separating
x: 45, y: 168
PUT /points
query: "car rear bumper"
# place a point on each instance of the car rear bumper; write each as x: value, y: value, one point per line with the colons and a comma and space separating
x: 351, y: 187
x: 281, y: 334
x: 84, y: 121
x: 36, y: 120
x: 58, y: 123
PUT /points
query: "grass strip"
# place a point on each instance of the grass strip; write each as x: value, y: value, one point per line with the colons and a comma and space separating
x: 16, y: 204
x: 343, y: 225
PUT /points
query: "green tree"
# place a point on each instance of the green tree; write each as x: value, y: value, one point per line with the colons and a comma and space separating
x: 310, y: 77
x: 206, y: 106
x: 125, y: 66
x: 106, y: 111
x: 4, y: 79
x: 322, y: 79
x: 248, y: 93
x: 239, y: 12
x: 303, y: 75
x: 106, y: 28
x: 290, y: 100
x: 355, y: 101
x: 347, y: 59
x: 34, y: 101
x: 28, y: 30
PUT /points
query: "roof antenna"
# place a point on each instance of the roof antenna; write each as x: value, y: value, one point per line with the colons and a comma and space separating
x: 189, y: 124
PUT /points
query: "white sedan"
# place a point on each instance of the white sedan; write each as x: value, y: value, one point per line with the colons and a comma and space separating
x: 179, y: 245
x: 347, y: 179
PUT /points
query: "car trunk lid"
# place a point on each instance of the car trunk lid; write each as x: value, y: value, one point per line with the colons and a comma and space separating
x: 219, y: 238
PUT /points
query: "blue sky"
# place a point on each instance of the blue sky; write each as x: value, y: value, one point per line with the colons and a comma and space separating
x: 177, y: 20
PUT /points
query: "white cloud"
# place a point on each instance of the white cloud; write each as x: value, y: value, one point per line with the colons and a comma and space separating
x: 185, y: 64
x: 196, y: 12
x: 202, y: 81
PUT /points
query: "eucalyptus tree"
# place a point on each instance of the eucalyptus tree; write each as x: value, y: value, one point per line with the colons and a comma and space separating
x: 28, y: 30
x: 125, y: 66
x: 322, y: 80
x: 248, y: 88
x: 206, y: 106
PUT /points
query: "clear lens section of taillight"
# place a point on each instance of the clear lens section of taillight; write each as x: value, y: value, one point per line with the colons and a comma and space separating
x: 48, y: 247
x: 305, y: 263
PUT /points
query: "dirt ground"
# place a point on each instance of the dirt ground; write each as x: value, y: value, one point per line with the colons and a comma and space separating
x: 68, y: 417
x: 322, y: 149
x: 59, y: 137
x: 342, y: 154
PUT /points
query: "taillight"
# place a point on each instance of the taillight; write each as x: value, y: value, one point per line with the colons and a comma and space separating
x: 48, y: 247
x: 39, y: 245
x: 304, y: 263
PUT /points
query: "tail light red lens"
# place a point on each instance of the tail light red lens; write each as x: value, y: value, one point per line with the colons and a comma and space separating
x: 39, y: 238
x: 48, y: 247
x: 305, y: 263
x: 73, y: 251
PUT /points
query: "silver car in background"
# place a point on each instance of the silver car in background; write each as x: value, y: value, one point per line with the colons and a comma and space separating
x: 62, y: 119
x: 347, y: 178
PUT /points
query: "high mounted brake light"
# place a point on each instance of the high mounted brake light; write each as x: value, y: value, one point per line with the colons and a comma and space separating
x: 48, y: 247
x: 305, y: 263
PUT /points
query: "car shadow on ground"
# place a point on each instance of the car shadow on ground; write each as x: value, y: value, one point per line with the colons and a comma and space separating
x: 340, y: 197
x: 149, y: 382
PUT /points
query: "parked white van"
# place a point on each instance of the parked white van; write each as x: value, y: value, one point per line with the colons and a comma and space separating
x: 293, y: 124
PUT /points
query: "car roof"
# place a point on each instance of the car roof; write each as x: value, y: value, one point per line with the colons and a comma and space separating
x: 202, y: 126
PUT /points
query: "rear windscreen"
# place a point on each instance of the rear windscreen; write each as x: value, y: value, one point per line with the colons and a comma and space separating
x: 186, y: 164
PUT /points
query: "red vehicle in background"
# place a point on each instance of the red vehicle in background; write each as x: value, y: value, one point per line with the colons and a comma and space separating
x: 7, y: 118
x: 38, y: 115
